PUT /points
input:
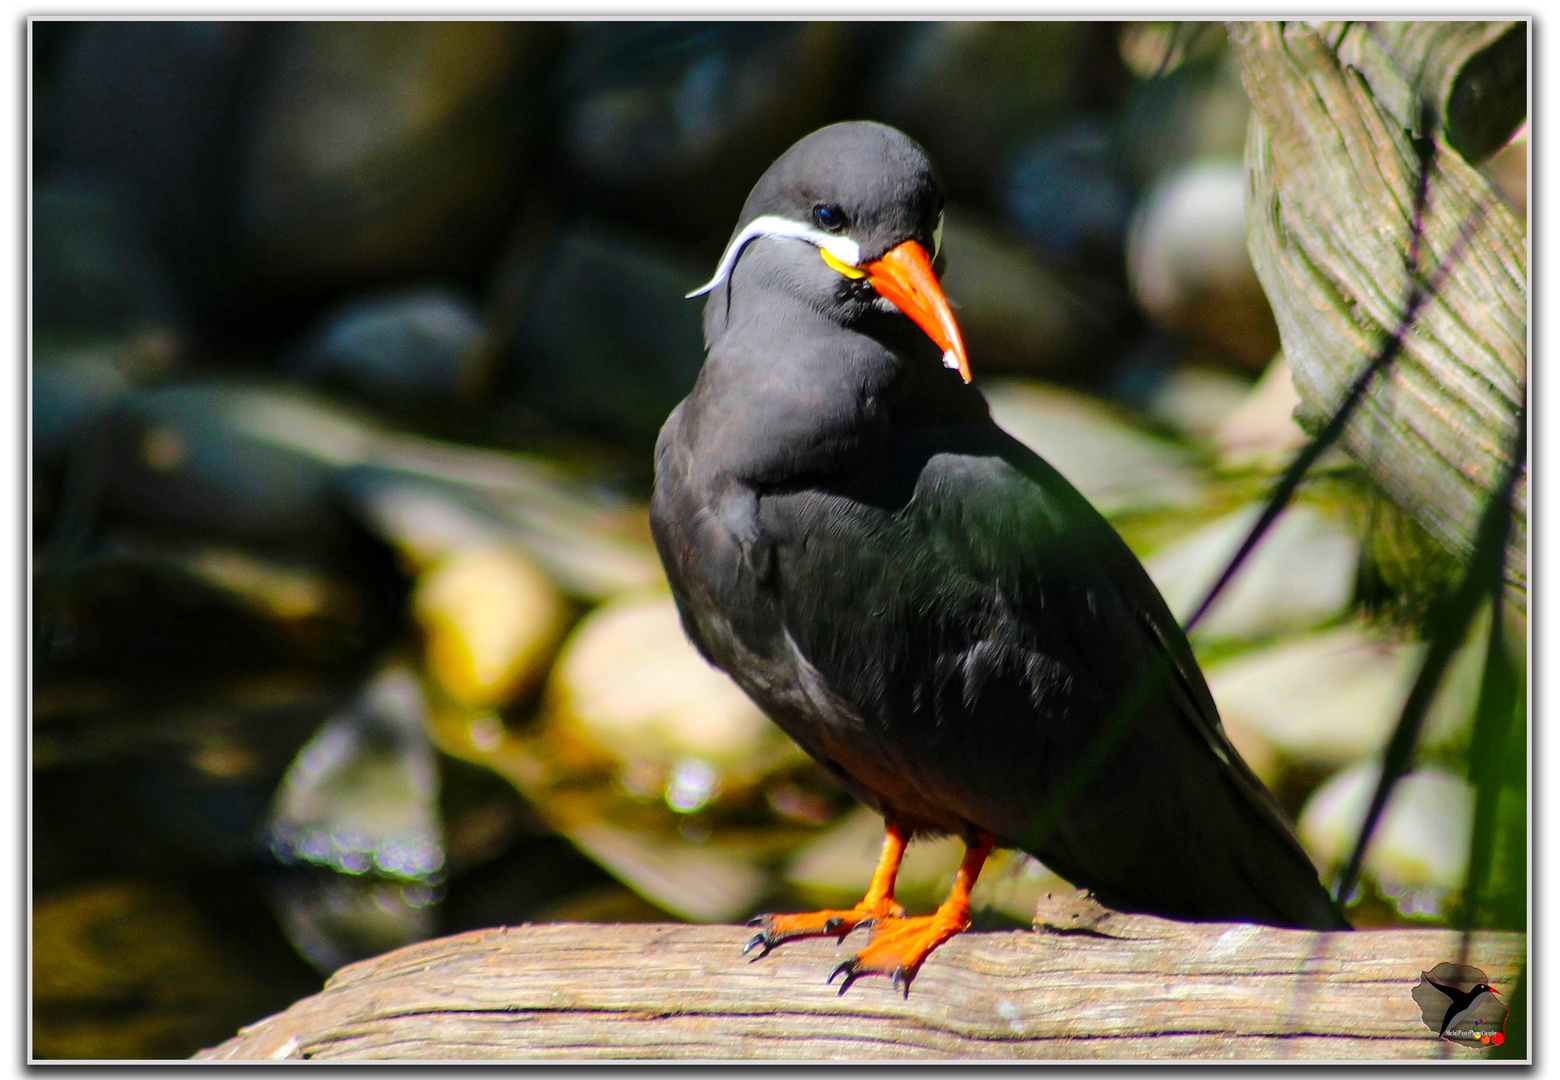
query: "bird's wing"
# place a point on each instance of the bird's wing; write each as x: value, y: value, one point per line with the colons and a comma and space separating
x: 1197, y: 708
x: 1191, y: 709
x: 964, y: 596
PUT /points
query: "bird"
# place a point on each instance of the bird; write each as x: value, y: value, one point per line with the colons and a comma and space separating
x: 922, y: 603
x: 1460, y: 1003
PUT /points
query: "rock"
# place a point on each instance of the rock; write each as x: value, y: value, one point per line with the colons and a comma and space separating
x: 154, y: 110
x: 133, y: 604
x: 1262, y: 433
x: 362, y: 793
x: 1065, y: 196
x: 70, y: 395
x: 485, y: 822
x: 1117, y: 467
x: 428, y: 499
x: 1301, y: 575
x: 333, y: 920
x: 222, y: 500
x: 1188, y: 266
x: 165, y: 780
x: 423, y: 519
x: 96, y: 269
x: 537, y: 874
x: 1333, y: 697
x: 360, y: 806
x: 603, y: 339
x: 668, y: 125
x: 243, y: 463
x: 1195, y: 401
x: 1195, y: 111
x: 1419, y: 853
x: 491, y: 622
x: 970, y: 92
x: 652, y: 763
x: 687, y: 842
x: 1507, y: 172
x: 384, y: 150
x: 167, y: 771
x: 1017, y: 315
x: 694, y: 881
x: 126, y: 968
x: 629, y: 684
x: 421, y: 350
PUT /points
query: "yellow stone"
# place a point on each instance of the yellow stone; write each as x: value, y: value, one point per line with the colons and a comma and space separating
x: 630, y: 683
x: 491, y: 620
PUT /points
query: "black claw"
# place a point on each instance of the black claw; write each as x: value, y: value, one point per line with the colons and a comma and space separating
x: 758, y: 920
x: 757, y: 940
x: 902, y: 981
x: 833, y: 924
x: 850, y: 972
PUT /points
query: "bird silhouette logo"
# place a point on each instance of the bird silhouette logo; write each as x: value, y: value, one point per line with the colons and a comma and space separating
x: 1459, y: 1005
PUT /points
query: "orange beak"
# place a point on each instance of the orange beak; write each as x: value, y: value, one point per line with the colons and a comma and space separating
x: 904, y: 278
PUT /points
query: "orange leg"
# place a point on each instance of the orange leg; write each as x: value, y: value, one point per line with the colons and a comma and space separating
x: 898, y: 945
x: 877, y: 904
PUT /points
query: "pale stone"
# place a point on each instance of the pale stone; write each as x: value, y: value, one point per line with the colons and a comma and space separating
x: 1114, y: 465
x: 1188, y: 266
x: 1261, y: 432
x: 1335, y: 696
x: 1197, y: 401
x: 631, y: 683
x: 1421, y: 841
x: 1301, y: 574
x: 491, y: 621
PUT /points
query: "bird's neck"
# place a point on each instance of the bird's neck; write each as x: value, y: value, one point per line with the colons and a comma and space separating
x: 786, y: 391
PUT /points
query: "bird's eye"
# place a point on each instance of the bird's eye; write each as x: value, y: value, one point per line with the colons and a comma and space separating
x: 829, y: 217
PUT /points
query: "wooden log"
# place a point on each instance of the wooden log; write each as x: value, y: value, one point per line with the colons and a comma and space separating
x: 1332, y: 175
x: 1110, y: 987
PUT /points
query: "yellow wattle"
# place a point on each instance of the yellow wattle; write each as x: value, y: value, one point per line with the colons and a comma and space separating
x: 844, y: 268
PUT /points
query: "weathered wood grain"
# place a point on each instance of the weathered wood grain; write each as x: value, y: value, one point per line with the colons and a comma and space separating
x: 1123, y: 987
x: 1332, y: 174
x: 1409, y: 61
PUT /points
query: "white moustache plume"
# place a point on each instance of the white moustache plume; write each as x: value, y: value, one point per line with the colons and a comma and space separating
x: 842, y: 248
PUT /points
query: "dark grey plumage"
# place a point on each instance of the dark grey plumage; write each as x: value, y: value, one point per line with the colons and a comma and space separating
x: 922, y: 603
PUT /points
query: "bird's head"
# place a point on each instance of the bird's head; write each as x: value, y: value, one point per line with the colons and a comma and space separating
x: 849, y: 221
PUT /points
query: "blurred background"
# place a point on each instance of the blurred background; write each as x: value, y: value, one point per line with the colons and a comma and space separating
x: 350, y: 345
